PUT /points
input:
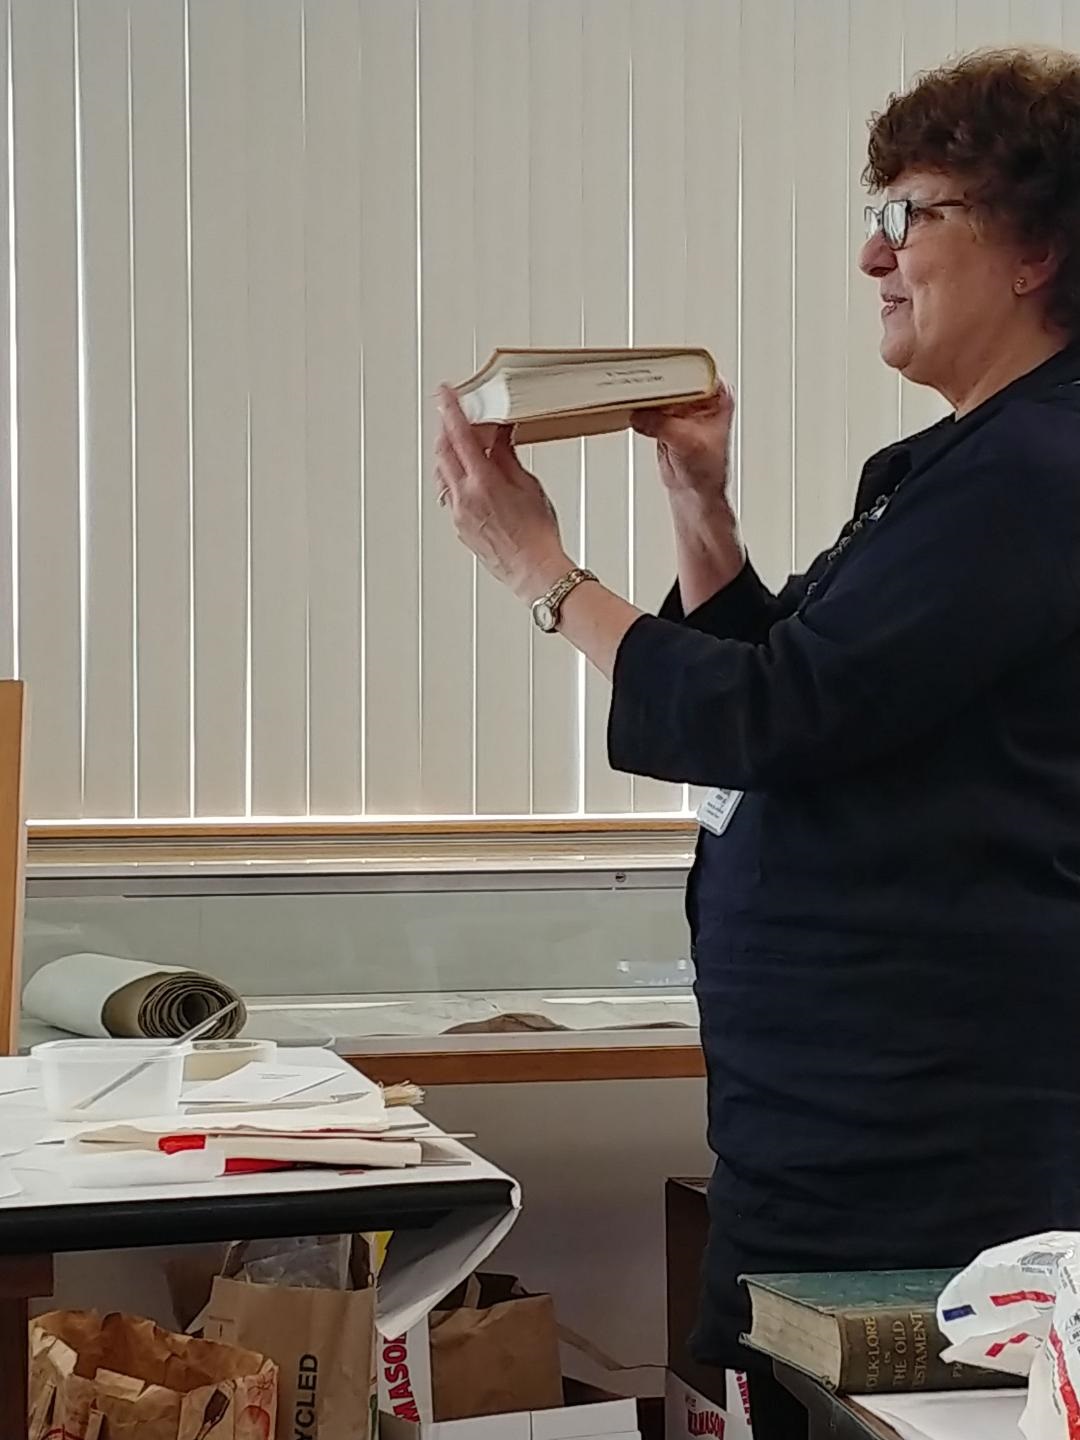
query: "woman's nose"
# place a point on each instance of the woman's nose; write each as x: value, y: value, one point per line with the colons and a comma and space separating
x: 877, y: 257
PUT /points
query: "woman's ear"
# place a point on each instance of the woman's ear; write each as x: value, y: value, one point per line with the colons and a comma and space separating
x: 1036, y: 270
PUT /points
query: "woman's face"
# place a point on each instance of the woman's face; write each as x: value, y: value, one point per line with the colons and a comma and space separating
x: 947, y: 296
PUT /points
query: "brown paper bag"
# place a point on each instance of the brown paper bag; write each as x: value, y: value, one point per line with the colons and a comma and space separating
x: 323, y: 1342
x: 123, y: 1378
x: 496, y: 1353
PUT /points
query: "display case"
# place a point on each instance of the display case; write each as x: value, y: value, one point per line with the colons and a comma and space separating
x: 458, y: 965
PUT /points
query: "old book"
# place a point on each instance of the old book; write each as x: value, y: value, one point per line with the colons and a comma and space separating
x: 563, y: 394
x: 862, y: 1332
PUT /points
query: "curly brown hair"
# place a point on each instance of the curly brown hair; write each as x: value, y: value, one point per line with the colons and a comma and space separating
x: 1007, y: 123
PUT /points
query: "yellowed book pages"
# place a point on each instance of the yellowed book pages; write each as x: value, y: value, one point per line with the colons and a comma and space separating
x: 655, y: 376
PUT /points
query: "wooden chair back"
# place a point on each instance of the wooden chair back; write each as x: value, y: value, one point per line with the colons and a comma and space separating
x: 12, y: 859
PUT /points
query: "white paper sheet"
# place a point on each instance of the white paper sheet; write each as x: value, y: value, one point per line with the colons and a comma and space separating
x: 267, y: 1084
x: 951, y: 1414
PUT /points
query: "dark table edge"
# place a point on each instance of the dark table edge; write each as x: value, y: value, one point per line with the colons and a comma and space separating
x: 832, y: 1416
x: 131, y: 1224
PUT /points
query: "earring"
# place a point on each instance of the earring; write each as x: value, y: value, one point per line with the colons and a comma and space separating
x: 1020, y: 285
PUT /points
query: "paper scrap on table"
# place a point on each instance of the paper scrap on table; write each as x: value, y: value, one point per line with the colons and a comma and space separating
x: 359, y: 1117
x: 951, y: 1414
x: 267, y: 1084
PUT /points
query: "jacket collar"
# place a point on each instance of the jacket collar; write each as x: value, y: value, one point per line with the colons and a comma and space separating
x: 889, y: 466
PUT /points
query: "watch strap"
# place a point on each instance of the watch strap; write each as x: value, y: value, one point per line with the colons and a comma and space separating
x: 556, y: 596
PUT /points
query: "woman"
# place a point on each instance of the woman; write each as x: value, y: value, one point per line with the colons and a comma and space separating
x: 885, y: 904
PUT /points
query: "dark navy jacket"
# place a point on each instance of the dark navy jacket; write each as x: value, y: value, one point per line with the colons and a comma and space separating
x: 887, y: 937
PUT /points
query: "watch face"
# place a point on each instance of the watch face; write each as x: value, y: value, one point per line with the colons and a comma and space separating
x: 544, y: 615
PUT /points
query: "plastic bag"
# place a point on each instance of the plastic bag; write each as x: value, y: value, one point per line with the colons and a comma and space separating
x: 318, y: 1262
x: 1016, y: 1308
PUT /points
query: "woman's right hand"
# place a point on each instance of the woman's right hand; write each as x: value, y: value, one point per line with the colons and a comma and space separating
x: 693, y: 448
x: 693, y: 443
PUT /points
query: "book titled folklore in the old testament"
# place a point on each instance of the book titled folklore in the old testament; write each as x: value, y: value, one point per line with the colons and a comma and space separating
x: 861, y: 1333
x: 565, y: 394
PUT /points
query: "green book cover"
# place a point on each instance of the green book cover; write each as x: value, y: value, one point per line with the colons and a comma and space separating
x: 861, y: 1332
x: 844, y: 1291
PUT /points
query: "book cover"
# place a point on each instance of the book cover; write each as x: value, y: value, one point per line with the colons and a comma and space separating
x: 886, y: 1323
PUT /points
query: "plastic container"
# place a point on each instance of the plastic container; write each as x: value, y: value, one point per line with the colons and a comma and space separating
x: 69, y: 1071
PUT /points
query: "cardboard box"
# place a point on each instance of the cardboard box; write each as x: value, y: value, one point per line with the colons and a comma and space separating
x: 699, y: 1399
x: 585, y: 1420
x: 588, y: 1419
x: 404, y: 1383
x: 688, y: 1415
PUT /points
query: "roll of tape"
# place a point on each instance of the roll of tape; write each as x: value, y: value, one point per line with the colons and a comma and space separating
x: 211, y: 1059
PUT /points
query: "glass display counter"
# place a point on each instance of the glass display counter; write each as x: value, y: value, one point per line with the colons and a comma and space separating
x: 530, y: 966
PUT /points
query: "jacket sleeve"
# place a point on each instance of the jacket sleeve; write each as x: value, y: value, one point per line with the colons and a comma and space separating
x: 922, y: 615
x: 746, y: 609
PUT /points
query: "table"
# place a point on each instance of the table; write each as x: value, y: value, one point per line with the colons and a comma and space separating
x: 451, y: 1215
x: 832, y: 1417
x: 993, y: 1414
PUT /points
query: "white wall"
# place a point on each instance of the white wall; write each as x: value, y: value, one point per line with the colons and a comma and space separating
x: 592, y: 1159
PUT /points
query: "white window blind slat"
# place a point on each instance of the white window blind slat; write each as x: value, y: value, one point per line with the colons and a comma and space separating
x: 46, y: 310
x: 711, y: 109
x: 767, y: 283
x: 659, y: 289
x: 447, y: 250
x: 555, y: 281
x: 1038, y: 21
x: 606, y: 315
x: 929, y: 37
x: 823, y: 275
x: 981, y: 22
x: 502, y: 664
x: 162, y: 473
x: 875, y: 38
x: 392, y: 467
x: 333, y: 247
x: 279, y: 625
x: 218, y: 68
x: 711, y: 179
x: 108, y: 619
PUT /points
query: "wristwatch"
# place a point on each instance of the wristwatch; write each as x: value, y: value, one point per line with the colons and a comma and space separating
x: 545, y: 611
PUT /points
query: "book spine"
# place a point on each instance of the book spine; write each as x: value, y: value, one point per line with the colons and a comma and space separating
x: 885, y: 1351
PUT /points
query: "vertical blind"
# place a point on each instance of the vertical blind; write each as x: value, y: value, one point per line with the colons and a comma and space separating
x: 245, y: 239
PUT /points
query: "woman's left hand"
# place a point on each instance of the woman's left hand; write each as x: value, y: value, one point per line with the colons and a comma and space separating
x: 499, y: 510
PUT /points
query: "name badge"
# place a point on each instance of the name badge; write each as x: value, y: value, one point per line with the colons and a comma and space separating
x: 715, y: 811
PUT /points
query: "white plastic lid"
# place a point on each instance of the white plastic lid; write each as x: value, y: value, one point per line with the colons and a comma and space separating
x: 107, y: 1050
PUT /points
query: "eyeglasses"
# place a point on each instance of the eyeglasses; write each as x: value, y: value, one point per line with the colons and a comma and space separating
x: 894, y: 218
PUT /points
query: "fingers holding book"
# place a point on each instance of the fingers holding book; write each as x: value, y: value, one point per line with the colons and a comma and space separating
x: 693, y: 441
x: 500, y: 511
